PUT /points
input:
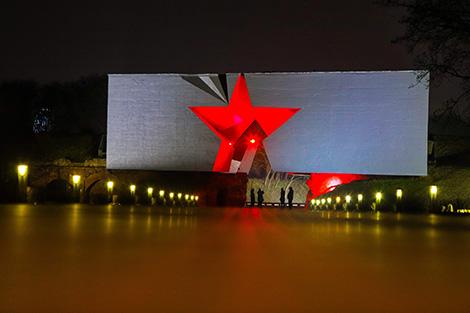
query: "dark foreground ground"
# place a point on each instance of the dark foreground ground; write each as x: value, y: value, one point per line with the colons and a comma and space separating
x: 78, y: 258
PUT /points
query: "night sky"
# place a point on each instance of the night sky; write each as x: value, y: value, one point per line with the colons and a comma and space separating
x: 59, y: 40
x: 64, y: 40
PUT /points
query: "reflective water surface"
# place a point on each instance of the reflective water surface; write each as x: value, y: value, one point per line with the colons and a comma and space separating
x: 80, y: 258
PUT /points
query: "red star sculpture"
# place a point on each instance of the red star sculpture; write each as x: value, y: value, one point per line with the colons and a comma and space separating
x: 230, y: 122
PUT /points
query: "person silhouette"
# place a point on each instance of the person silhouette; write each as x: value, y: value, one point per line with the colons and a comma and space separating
x: 290, y: 197
x: 252, y: 197
x: 283, y: 198
x: 260, y: 197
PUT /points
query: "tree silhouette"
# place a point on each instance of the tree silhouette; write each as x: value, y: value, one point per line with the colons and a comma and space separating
x: 438, y: 33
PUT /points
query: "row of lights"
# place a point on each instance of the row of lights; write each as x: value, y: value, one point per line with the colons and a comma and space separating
x: 161, y: 193
x: 378, y: 197
x: 22, y: 170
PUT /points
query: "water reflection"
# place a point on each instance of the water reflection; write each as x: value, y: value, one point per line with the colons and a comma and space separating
x: 149, y: 223
x: 74, y: 220
x: 22, y: 210
x: 109, y: 220
x: 113, y: 218
x: 160, y: 222
x: 21, y: 218
x: 131, y: 222
x: 151, y: 258
x: 377, y: 230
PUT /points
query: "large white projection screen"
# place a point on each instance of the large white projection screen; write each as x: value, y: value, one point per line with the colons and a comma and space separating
x: 350, y: 122
x: 150, y: 126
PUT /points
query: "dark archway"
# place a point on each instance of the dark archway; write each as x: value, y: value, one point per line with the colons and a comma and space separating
x: 97, y: 192
x: 58, y: 190
x: 100, y: 197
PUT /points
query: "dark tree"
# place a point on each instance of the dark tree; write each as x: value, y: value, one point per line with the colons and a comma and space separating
x: 16, y: 136
x: 438, y: 33
x: 72, y: 107
x: 68, y: 119
x: 16, y: 102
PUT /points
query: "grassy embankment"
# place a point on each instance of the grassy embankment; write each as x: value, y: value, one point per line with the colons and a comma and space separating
x: 451, y: 174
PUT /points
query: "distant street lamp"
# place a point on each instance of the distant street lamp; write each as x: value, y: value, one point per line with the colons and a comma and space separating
x: 132, y: 189
x: 348, y: 199
x: 378, y: 197
x: 399, y: 194
x: 433, y: 192
x: 76, y: 179
x: 360, y: 197
x: 110, y: 187
x: 22, y: 171
x: 76, y: 187
x: 433, y: 195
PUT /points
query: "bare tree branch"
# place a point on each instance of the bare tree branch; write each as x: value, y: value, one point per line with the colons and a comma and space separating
x: 438, y: 34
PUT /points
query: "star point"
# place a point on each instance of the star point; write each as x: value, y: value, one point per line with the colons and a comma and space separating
x: 230, y: 122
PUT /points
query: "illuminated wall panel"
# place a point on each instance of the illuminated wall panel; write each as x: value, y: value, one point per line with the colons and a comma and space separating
x: 151, y: 127
x: 349, y: 122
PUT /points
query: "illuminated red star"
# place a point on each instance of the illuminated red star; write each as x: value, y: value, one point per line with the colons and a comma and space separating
x: 230, y: 122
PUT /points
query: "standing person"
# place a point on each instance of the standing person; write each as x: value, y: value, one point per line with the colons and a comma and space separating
x: 260, y: 197
x: 283, y: 198
x: 252, y: 197
x: 290, y: 197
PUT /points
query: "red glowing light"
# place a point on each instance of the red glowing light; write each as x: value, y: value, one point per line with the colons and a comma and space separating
x: 230, y: 122
x: 320, y: 184
x: 252, y: 140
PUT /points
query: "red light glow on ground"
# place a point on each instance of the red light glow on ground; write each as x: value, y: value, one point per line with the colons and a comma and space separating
x: 321, y: 183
